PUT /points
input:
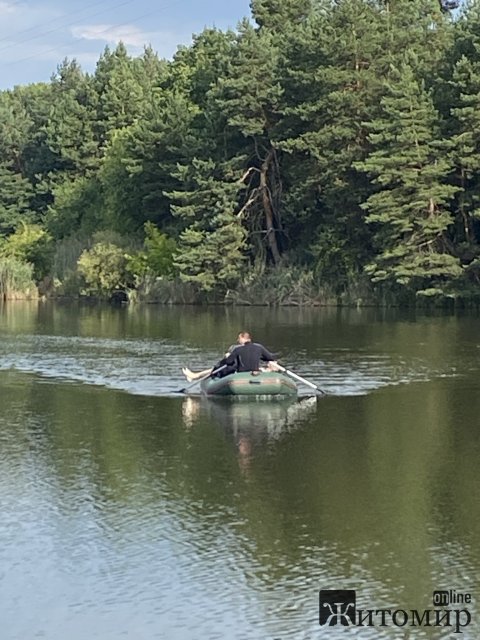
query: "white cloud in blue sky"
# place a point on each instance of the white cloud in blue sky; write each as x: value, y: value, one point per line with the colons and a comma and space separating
x: 36, y: 35
x: 128, y: 34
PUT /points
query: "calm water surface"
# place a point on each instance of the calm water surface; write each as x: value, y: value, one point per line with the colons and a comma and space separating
x: 129, y: 510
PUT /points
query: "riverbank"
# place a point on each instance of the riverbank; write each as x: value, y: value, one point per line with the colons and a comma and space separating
x: 115, y: 273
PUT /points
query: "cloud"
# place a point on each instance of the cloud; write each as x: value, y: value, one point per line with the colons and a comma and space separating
x: 128, y: 34
x: 6, y: 7
x: 164, y: 42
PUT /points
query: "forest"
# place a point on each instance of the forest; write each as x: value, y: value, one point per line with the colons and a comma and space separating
x: 324, y: 152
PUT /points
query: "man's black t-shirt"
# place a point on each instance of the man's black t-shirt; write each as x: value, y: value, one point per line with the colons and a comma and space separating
x: 247, y: 357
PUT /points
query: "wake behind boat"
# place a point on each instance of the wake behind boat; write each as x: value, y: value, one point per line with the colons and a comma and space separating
x: 250, y: 383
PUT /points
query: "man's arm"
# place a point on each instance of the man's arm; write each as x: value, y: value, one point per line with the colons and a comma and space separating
x: 229, y: 359
x: 266, y: 355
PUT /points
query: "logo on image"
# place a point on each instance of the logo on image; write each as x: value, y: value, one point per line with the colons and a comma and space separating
x: 450, y: 597
x: 337, y: 607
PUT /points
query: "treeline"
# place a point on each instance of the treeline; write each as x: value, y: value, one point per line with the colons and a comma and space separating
x: 326, y: 151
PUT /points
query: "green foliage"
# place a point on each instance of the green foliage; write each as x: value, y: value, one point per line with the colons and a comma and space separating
x: 249, y: 100
x: 210, y: 253
x: 77, y: 207
x: 157, y: 257
x: 110, y: 236
x: 279, y: 15
x: 30, y: 244
x: 67, y: 281
x: 331, y: 85
x: 69, y: 131
x: 104, y: 269
x: 15, y: 199
x: 284, y: 285
x: 150, y: 288
x: 248, y: 97
x: 340, y: 135
x: 121, y: 91
x: 141, y: 162
x: 409, y: 164
x: 16, y: 191
x: 16, y: 279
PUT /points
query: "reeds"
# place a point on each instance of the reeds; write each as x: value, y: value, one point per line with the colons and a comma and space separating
x: 16, y: 280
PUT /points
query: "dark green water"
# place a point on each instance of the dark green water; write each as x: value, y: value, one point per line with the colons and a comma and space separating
x: 128, y: 510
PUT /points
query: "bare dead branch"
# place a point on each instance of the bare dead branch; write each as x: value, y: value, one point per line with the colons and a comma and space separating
x: 249, y: 202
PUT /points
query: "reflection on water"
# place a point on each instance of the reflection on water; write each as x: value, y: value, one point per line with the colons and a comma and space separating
x: 177, y: 518
x: 249, y: 423
x: 267, y: 419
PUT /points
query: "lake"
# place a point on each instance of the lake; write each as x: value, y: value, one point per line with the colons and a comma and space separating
x: 130, y: 510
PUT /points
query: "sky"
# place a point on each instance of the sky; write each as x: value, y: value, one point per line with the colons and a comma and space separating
x: 36, y: 35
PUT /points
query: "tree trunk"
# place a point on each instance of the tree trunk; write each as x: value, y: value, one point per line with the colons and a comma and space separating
x: 268, y: 209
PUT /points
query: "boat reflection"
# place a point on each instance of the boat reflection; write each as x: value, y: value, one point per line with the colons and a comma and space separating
x: 249, y: 425
x: 258, y: 419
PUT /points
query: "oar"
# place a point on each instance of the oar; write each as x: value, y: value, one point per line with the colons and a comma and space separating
x: 300, y: 379
x: 202, y: 378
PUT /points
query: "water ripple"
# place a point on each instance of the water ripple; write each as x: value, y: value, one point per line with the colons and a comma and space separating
x: 153, y: 367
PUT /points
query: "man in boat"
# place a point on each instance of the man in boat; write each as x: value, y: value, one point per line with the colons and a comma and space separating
x: 244, y: 356
x: 198, y: 375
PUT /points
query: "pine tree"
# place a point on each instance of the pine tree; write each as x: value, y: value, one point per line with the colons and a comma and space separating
x: 40, y: 162
x: 410, y: 165
x: 16, y: 194
x: 15, y: 189
x: 212, y: 244
x: 280, y: 15
x: 331, y: 84
x: 78, y: 208
x: 466, y: 144
x: 70, y: 126
x: 119, y: 84
x: 150, y: 71
x: 248, y: 97
x: 140, y: 165
x: 419, y: 26
x: 69, y: 134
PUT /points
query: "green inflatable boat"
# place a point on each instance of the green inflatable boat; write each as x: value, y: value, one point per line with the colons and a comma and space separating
x: 265, y: 383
